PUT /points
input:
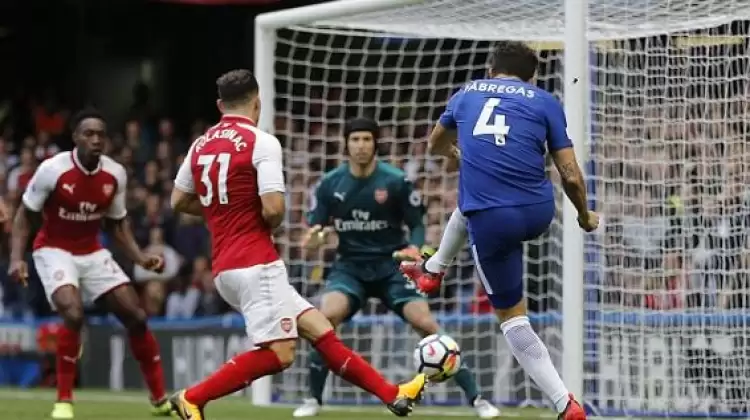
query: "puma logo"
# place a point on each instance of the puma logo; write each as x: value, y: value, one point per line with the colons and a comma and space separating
x: 339, y: 196
x: 69, y: 187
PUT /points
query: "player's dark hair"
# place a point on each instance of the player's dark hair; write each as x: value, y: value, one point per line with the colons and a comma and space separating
x: 361, y: 124
x: 513, y: 58
x: 236, y: 86
x: 85, y: 114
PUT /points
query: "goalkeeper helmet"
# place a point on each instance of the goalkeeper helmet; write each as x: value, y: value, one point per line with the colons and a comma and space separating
x: 361, y: 124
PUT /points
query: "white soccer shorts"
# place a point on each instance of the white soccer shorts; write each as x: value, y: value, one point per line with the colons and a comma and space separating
x: 93, y: 274
x: 264, y: 297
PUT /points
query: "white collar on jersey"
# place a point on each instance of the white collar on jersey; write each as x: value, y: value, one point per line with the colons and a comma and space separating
x: 80, y: 166
x: 238, y: 117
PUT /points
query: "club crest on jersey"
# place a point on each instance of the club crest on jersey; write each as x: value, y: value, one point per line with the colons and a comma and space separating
x: 286, y: 324
x: 381, y: 195
x: 107, y: 189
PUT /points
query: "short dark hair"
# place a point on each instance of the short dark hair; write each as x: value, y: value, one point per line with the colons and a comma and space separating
x: 85, y: 114
x: 236, y: 86
x: 514, y: 58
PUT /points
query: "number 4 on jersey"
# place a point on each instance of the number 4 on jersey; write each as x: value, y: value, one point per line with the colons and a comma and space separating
x: 206, y: 161
x: 486, y: 124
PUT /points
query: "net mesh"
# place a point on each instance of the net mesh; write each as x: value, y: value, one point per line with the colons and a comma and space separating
x: 667, y: 273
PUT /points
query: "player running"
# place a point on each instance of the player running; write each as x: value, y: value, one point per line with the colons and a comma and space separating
x: 233, y: 177
x: 368, y: 202
x: 503, y: 124
x: 70, y: 193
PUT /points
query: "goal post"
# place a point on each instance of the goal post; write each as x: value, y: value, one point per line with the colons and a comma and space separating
x: 641, y: 317
x: 266, y: 26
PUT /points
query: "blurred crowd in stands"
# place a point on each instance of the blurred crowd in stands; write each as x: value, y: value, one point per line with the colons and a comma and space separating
x: 152, y: 148
x: 672, y: 192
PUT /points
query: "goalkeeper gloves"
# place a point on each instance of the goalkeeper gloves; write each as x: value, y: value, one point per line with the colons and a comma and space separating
x: 411, y: 253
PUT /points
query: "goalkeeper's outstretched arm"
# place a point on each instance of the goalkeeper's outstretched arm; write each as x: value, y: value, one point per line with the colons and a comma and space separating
x: 317, y: 218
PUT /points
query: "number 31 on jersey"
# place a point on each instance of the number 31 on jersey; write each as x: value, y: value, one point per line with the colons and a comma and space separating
x: 492, y: 123
x: 206, y: 162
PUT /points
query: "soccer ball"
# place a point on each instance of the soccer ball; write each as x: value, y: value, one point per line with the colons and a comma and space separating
x: 437, y: 356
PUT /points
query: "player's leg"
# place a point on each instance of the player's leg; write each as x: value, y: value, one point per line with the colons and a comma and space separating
x: 404, y: 300
x: 264, y: 297
x: 400, y: 399
x: 451, y: 243
x: 342, y: 297
x: 428, y: 274
x: 59, y: 275
x: 498, y: 254
x: 103, y: 279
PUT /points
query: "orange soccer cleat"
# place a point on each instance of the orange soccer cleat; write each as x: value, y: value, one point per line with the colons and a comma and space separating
x: 425, y: 281
x: 574, y: 411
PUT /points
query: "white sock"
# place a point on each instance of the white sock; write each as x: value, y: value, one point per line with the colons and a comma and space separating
x: 453, y: 240
x: 533, y: 356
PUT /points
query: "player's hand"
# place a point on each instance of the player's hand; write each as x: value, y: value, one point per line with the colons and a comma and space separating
x: 315, y: 237
x: 153, y: 263
x: 588, y: 221
x: 4, y: 212
x: 410, y: 253
x: 19, y: 271
x: 454, y: 159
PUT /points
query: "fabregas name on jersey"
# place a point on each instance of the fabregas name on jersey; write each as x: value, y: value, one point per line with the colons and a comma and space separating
x: 494, y: 87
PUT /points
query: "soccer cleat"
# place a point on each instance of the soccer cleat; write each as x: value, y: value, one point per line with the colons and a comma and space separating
x: 161, y: 408
x: 574, y: 410
x: 309, y: 408
x: 485, y: 409
x: 409, y: 394
x: 423, y: 280
x: 184, y: 408
x: 62, y: 410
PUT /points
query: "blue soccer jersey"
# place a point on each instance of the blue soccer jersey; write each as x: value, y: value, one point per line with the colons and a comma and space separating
x: 505, y: 127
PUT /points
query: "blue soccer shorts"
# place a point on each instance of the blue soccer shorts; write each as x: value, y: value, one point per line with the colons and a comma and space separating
x: 497, y: 236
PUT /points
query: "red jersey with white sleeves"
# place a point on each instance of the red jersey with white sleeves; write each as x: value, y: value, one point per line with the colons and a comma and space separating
x: 73, y: 201
x: 229, y: 168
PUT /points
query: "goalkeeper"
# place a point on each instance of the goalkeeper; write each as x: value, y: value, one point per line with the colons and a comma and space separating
x: 367, y: 203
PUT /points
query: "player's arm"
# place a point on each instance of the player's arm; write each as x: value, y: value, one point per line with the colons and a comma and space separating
x: 564, y: 156
x: 116, y: 223
x: 183, y: 198
x: 269, y: 163
x: 28, y: 217
x: 4, y: 213
x: 317, y: 218
x: 443, y: 138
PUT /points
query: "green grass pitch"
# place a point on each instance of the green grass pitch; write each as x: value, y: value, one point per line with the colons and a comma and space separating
x: 110, y: 405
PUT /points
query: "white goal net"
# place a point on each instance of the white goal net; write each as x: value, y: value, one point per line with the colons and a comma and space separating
x: 666, y: 276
